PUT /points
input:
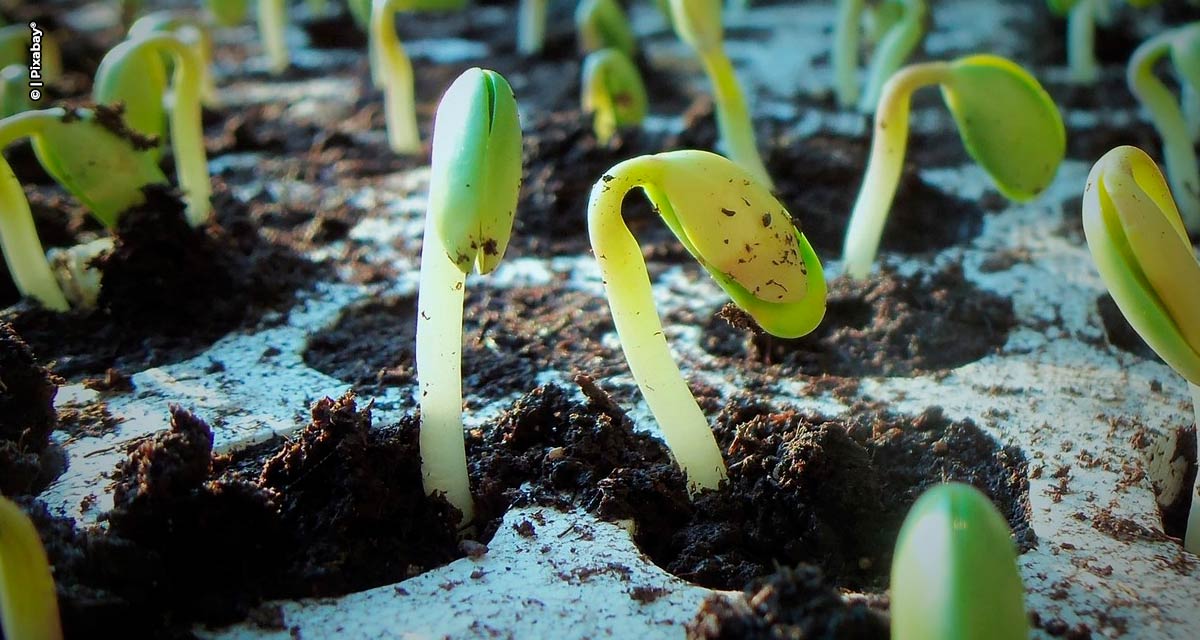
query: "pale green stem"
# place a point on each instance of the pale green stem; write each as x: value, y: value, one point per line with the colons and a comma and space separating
x: 396, y: 78
x: 604, y: 119
x: 1081, y: 43
x: 1192, y: 537
x: 18, y: 236
x: 1183, y: 173
x: 187, y: 133
x: 733, y: 116
x: 28, y: 599
x: 886, y: 162
x: 892, y: 51
x: 439, y: 373
x: 531, y: 26
x: 638, y: 326
x: 272, y: 26
x: 845, y: 52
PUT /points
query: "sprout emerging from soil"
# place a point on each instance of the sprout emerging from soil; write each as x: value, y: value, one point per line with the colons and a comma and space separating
x: 272, y: 26
x: 391, y: 70
x: 531, y: 26
x: 15, y: 41
x: 899, y: 27
x: 613, y: 93
x: 473, y: 187
x: 954, y: 574
x: 1170, y: 116
x: 602, y: 24
x: 698, y: 23
x: 28, y: 600
x: 190, y: 30
x: 134, y: 74
x: 1143, y: 254
x: 104, y: 170
x: 1008, y: 124
x: 741, y: 235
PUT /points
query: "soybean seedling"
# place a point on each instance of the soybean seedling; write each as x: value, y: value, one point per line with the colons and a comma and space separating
x: 189, y: 29
x: 391, y: 70
x: 602, y: 24
x: 134, y: 74
x: 1007, y: 122
x: 28, y: 600
x: 272, y: 26
x: 901, y: 26
x: 1082, y: 16
x: 16, y: 40
x: 698, y: 23
x: 743, y: 237
x: 473, y: 185
x: 1143, y: 254
x: 613, y: 93
x: 531, y: 26
x: 104, y: 170
x: 1168, y: 114
x: 954, y: 573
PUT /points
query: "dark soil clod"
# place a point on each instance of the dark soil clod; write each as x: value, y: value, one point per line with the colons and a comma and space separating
x: 27, y: 416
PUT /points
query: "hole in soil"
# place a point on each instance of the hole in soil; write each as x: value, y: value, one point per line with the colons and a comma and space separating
x: 510, y: 336
x: 887, y: 325
x: 1120, y: 333
x: 1172, y: 470
x: 805, y: 489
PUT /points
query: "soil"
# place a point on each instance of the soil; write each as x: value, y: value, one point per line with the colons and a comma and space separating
x: 27, y: 461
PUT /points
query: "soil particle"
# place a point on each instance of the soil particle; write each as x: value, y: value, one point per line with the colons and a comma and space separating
x: 352, y: 498
x: 790, y: 603
x: 888, y: 325
x: 27, y: 416
x: 167, y: 291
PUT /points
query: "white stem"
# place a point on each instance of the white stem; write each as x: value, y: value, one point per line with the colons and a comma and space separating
x: 845, y: 52
x: 272, y: 23
x: 531, y: 26
x: 1191, y: 540
x: 1081, y: 43
x: 439, y: 374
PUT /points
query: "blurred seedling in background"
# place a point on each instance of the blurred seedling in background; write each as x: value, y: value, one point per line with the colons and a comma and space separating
x: 602, y: 24
x: 613, y: 93
x: 897, y: 29
x: 272, y: 26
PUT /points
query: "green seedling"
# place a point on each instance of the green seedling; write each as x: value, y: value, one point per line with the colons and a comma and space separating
x: 899, y: 26
x: 1007, y: 122
x: 473, y: 185
x: 272, y: 26
x: 740, y: 234
x: 14, y: 90
x: 1143, y: 254
x: 1182, y: 45
x: 531, y: 26
x: 16, y: 42
x: 1082, y: 16
x: 105, y: 171
x: 391, y: 69
x: 602, y: 24
x: 698, y: 23
x: 134, y: 74
x: 190, y: 30
x: 28, y: 599
x: 613, y: 93
x: 954, y: 573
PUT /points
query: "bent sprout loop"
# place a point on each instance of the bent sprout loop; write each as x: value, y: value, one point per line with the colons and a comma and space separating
x: 954, y: 572
x: 1007, y: 122
x: 133, y: 74
x: 1170, y: 116
x: 732, y: 225
x: 613, y: 93
x: 473, y: 186
x: 191, y: 31
x: 1142, y: 251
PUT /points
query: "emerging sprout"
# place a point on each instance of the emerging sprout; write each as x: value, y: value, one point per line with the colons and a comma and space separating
x: 613, y: 92
x: 133, y: 74
x: 740, y: 234
x: 1143, y: 254
x: 1007, y: 122
x: 105, y: 171
x: 1168, y: 116
x: 272, y: 26
x: 899, y: 26
x: 531, y: 26
x: 473, y: 187
x: 954, y: 574
x: 190, y: 30
x: 698, y: 23
x: 15, y: 42
x: 28, y: 601
x: 391, y: 70
x: 601, y: 24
